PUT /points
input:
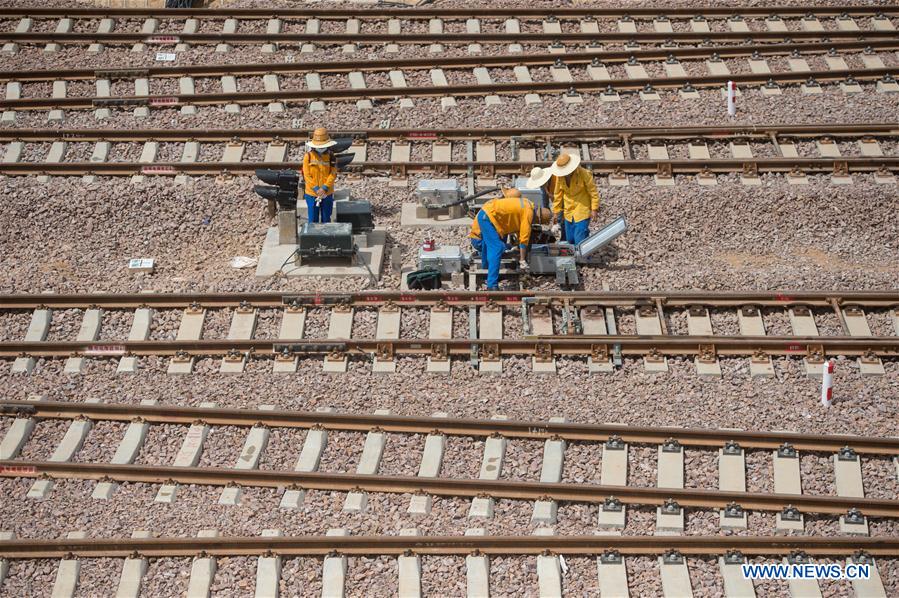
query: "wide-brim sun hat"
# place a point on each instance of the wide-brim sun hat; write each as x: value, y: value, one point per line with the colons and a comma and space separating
x: 565, y: 164
x: 538, y: 177
x: 320, y: 139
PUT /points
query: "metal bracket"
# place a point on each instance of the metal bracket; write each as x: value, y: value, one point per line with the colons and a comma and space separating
x: 439, y: 352
x: 814, y: 354
x: 847, y: 453
x: 787, y: 451
x: 732, y: 447
x: 611, y: 557
x: 543, y: 352
x: 854, y: 517
x: 733, y: 511
x: 671, y: 446
x: 734, y: 557
x: 790, y: 513
x: 490, y: 352
x: 614, y: 443
x: 599, y: 353
x: 707, y: 354
x: 673, y: 557
x: 671, y: 507
x: 385, y: 352
x: 612, y: 505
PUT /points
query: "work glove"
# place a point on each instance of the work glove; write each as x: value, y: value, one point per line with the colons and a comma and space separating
x: 523, y: 266
x: 556, y: 230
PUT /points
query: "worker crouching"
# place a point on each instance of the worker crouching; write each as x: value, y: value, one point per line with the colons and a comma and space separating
x: 575, y: 198
x: 319, y: 174
x: 499, y: 218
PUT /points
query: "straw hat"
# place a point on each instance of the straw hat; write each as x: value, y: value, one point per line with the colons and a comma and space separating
x: 565, y: 164
x: 320, y: 139
x: 538, y: 177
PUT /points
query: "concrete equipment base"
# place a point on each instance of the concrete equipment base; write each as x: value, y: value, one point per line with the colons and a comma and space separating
x: 274, y: 259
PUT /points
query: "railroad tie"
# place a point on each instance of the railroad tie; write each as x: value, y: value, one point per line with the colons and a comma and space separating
x: 56, y: 155
x: 485, y: 154
x: 612, y: 513
x: 438, y: 79
x: 802, y: 322
x: 23, y: 26
x: 541, y: 318
x: 758, y: 66
x: 314, y: 83
x: 626, y: 25
x: 243, y: 327
x: 369, y: 462
x: 477, y: 570
x: 190, y: 329
x: 811, y: 23
x: 133, y: 571
x: 699, y: 323
x: 523, y: 75
x: 490, y: 325
x: 788, y: 480
x: 13, y: 92
x: 658, y: 152
x: 268, y: 570
x: 612, y: 572
x: 857, y: 325
x: 352, y: 28
x: 16, y: 437
x: 202, y: 570
x: 186, y: 87
x: 802, y: 588
x: 732, y: 478
x: 491, y: 468
x: 614, y: 152
x: 400, y: 153
x: 313, y: 27
x: 103, y: 91
x: 675, y: 575
x: 398, y: 80
x: 409, y: 570
x: 431, y: 462
x: 648, y: 322
x: 848, y: 478
x: 662, y: 24
x: 188, y: 455
x: 340, y: 327
x: 308, y: 461
x: 271, y: 85
x: 127, y: 451
x: 273, y: 27
x: 435, y: 27
x: 357, y: 81
x: 140, y: 331
x: 440, y: 327
x: 473, y: 27
x: 63, y: 26
x: 388, y: 329
x: 4, y: 563
x: 189, y: 154
x: 482, y: 76
x: 89, y: 331
x: 546, y: 511
x: 106, y: 26
x: 749, y: 318
x: 142, y: 89
x: 37, y: 331
x: 593, y: 322
x: 871, y: 587
x: 549, y: 570
x: 293, y: 322
x: 229, y: 27
x: 191, y: 26
x: 70, y: 444
x: 69, y: 571
x: 229, y: 85
x: 670, y: 474
x: 736, y: 585
x: 334, y: 570
x: 257, y: 440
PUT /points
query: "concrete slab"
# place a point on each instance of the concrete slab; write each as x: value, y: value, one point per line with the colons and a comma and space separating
x: 648, y: 323
x: 140, y: 331
x: 133, y: 572
x: 803, y: 323
x: 612, y: 579
x: 675, y: 579
x: 440, y: 328
x: 857, y: 323
x: 334, y: 572
x: 387, y: 329
x: 276, y: 258
x: 67, y: 574
x: 477, y: 576
x: 491, y: 327
x: 190, y: 328
x: 293, y: 322
x: 16, y: 437
x: 735, y: 585
x: 89, y: 331
x: 871, y: 587
x: 268, y: 571
x: 202, y: 574
x: 126, y: 452
x: 188, y: 456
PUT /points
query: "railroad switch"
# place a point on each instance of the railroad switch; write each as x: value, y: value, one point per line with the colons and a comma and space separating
x: 787, y: 451
x: 673, y: 557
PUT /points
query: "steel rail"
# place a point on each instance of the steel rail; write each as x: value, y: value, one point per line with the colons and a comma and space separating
x: 380, y: 12
x: 556, y: 345
x: 760, y: 132
x: 888, y: 298
x: 516, y: 88
x: 169, y: 414
x: 170, y: 39
x: 819, y: 546
x: 752, y: 166
x: 450, y: 487
x: 537, y: 59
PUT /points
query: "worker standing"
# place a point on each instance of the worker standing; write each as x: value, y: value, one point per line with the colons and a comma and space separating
x: 319, y: 173
x: 576, y: 200
x: 498, y: 218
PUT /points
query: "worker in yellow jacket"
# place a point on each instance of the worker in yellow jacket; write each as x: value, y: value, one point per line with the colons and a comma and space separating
x: 575, y: 198
x: 498, y: 218
x: 319, y: 174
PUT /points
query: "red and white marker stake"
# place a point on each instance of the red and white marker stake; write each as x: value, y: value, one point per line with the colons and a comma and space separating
x: 827, y: 383
x: 731, y: 98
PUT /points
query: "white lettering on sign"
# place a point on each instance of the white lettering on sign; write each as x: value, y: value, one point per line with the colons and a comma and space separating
x: 165, y: 56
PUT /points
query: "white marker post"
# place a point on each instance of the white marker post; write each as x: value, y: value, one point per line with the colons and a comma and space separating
x: 731, y: 98
x: 827, y: 383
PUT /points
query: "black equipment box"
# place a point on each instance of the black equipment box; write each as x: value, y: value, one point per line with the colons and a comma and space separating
x: 357, y: 213
x: 330, y: 239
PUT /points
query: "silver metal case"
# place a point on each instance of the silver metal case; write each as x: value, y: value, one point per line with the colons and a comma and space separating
x: 543, y: 259
x: 534, y: 195
x: 447, y: 259
x: 438, y: 192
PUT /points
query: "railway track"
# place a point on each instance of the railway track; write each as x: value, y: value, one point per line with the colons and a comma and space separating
x: 613, y: 441
x: 439, y: 26
x: 603, y: 327
x: 839, y: 150
x: 449, y: 78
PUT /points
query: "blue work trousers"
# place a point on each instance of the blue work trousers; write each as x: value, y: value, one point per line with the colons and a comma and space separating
x: 321, y: 212
x: 575, y: 232
x: 491, y: 248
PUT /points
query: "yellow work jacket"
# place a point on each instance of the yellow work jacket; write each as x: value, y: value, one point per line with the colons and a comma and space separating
x: 319, y: 172
x: 508, y: 215
x: 576, y: 199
